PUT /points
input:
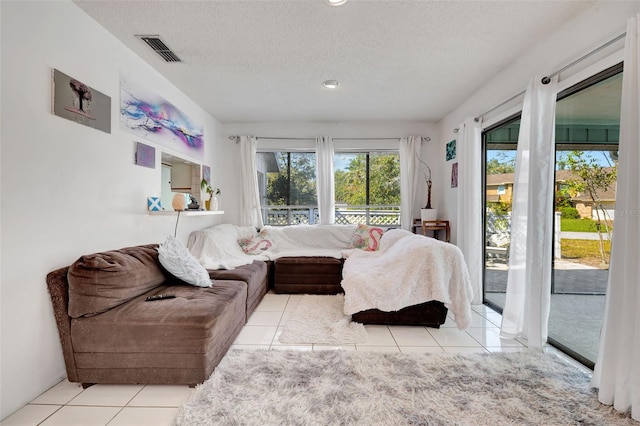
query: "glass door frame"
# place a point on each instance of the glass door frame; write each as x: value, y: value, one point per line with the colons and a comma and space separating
x: 507, y: 120
x: 596, y: 78
x: 576, y: 88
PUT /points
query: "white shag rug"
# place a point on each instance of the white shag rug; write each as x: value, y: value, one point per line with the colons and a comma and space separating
x: 369, y: 388
x: 320, y: 319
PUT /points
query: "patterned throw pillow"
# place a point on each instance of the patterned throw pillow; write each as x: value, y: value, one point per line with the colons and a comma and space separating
x: 177, y: 259
x: 366, y: 237
x: 257, y: 244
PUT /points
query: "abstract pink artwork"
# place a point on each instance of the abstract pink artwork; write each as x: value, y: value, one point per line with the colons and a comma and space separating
x: 147, y: 115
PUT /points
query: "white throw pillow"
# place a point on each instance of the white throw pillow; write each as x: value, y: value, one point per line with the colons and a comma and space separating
x: 176, y: 259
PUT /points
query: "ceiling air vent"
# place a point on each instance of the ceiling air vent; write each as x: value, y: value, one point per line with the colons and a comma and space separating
x: 158, y: 46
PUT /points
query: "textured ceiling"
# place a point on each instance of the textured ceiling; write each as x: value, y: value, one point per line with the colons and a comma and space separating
x: 248, y: 61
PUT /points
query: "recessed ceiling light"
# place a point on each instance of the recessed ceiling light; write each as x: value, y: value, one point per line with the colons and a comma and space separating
x: 331, y: 84
x: 336, y: 2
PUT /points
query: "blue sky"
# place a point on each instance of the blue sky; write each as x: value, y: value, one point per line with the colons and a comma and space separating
x: 600, y: 156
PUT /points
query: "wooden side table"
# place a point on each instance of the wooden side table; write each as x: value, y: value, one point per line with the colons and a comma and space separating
x: 435, y: 226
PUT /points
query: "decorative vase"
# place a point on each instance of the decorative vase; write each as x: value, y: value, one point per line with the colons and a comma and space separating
x: 428, y: 214
x: 214, y: 203
x: 207, y: 204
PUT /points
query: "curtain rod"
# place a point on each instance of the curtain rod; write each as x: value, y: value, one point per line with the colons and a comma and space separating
x: 237, y: 138
x: 547, y: 79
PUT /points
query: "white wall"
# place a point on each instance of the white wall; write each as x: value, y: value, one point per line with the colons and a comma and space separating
x: 600, y: 24
x: 231, y: 150
x: 67, y: 189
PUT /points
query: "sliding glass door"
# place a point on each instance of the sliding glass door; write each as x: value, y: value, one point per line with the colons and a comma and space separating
x: 500, y: 144
x: 587, y: 130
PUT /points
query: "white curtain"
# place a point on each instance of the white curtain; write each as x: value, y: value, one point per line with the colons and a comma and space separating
x: 409, y: 149
x: 470, y: 190
x: 324, y: 180
x: 250, y: 214
x: 526, y: 310
x: 617, y: 370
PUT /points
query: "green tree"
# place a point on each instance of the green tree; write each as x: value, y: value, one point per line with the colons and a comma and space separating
x: 500, y: 164
x: 349, y: 184
x: 384, y: 180
x: 591, y: 178
x: 295, y: 183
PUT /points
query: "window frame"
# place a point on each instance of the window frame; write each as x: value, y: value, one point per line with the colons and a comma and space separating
x: 313, y: 208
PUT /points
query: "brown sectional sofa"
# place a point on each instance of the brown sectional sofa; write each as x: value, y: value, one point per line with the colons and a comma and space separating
x: 254, y: 275
x: 323, y: 275
x: 111, y: 334
x: 311, y: 275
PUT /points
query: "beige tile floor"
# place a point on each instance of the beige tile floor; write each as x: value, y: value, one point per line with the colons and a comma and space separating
x: 67, y: 404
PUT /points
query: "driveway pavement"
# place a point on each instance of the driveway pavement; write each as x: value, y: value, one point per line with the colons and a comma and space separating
x: 583, y: 235
x: 568, y: 278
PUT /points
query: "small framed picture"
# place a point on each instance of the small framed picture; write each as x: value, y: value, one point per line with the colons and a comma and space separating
x: 451, y: 150
x: 206, y: 173
x: 454, y: 175
x: 145, y: 155
x: 153, y: 204
x: 75, y: 101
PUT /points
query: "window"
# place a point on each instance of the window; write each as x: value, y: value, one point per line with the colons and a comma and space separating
x: 287, y: 187
x: 367, y: 188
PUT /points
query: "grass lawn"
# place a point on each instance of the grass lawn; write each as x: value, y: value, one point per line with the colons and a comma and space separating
x: 586, y: 252
x: 579, y: 225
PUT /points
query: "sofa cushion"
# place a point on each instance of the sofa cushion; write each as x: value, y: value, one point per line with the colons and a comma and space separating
x: 311, y: 275
x: 101, y: 281
x: 176, y: 259
x: 196, y: 320
x: 366, y: 238
x: 254, y: 275
x: 256, y: 244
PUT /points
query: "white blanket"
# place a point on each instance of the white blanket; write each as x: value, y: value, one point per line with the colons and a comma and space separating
x: 310, y: 240
x: 408, y: 269
x: 217, y: 247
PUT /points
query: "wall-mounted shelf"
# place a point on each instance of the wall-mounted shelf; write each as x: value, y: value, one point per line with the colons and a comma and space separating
x: 185, y: 213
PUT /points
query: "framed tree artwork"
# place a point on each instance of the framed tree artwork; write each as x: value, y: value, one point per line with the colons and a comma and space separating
x: 74, y: 100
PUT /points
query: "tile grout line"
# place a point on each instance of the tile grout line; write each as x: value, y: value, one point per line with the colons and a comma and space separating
x: 116, y: 415
x: 280, y: 320
x: 50, y: 415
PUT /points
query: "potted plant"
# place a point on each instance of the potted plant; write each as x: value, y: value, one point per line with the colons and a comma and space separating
x: 427, y: 212
x: 205, y: 186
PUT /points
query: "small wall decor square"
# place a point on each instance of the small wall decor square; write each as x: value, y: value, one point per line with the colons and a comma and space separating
x: 153, y: 204
x: 454, y: 175
x: 451, y: 150
x: 206, y: 173
x: 145, y: 155
x: 74, y: 100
